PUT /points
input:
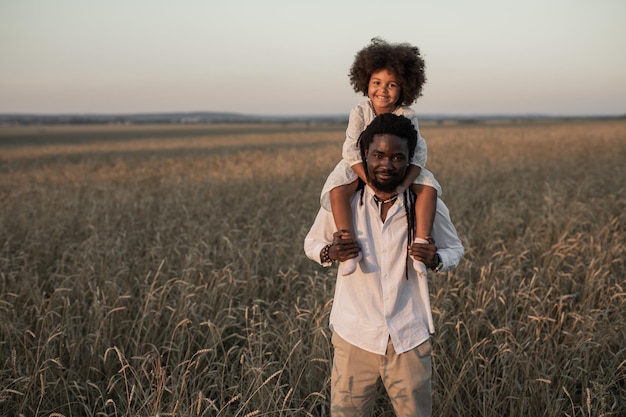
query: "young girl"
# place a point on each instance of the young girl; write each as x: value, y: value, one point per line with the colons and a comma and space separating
x: 391, y: 76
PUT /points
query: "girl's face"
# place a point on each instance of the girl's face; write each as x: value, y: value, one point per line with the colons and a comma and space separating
x: 383, y: 91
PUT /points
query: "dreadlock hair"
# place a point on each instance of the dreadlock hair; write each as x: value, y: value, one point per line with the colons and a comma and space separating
x: 403, y: 59
x: 400, y: 126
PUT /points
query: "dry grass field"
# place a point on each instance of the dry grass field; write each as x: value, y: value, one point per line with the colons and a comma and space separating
x: 158, y: 270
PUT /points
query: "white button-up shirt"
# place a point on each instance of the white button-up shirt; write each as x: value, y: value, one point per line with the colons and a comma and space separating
x: 377, y: 301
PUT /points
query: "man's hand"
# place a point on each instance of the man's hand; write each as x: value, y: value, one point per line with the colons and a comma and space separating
x: 424, y: 252
x: 343, y: 247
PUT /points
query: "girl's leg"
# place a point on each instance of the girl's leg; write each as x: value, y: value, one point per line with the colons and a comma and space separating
x: 425, y: 206
x: 340, y: 206
x: 342, y: 213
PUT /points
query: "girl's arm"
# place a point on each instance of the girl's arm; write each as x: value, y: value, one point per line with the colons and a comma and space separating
x: 356, y: 124
x: 412, y: 172
x: 419, y: 157
x: 421, y: 151
x: 360, y: 171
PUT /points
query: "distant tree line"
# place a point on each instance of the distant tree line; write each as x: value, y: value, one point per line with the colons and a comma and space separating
x: 158, y: 118
x: 211, y: 117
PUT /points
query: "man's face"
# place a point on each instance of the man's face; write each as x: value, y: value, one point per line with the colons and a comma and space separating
x: 387, y: 161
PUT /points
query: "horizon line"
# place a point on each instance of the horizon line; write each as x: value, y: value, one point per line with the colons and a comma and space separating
x: 299, y: 115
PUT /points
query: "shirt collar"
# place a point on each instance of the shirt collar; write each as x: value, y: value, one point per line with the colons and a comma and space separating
x: 370, y: 194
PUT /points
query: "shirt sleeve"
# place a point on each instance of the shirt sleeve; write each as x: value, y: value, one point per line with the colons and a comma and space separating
x: 449, y: 246
x: 421, y: 150
x: 320, y: 235
x: 356, y: 125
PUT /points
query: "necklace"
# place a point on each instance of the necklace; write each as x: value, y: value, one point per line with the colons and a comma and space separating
x: 390, y: 200
x: 374, y: 110
x: 372, y: 107
x: 381, y: 203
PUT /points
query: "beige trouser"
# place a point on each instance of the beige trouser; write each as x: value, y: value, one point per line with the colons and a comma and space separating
x: 356, y: 372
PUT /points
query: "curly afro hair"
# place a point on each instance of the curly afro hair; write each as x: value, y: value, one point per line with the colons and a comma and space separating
x: 403, y: 59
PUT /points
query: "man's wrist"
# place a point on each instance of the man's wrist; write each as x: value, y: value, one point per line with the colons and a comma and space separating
x: 325, y: 254
x: 437, y: 264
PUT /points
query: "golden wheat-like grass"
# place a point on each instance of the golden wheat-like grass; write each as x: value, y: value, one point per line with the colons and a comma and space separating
x: 159, y: 270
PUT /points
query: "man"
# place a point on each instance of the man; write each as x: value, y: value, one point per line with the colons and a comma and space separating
x: 381, y: 319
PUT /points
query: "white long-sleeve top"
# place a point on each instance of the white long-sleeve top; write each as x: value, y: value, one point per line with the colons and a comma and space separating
x: 360, y: 117
x: 377, y: 301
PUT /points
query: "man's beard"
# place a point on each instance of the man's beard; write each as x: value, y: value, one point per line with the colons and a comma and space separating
x: 385, y: 187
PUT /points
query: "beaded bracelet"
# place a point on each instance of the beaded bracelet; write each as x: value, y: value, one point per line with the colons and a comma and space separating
x: 325, y: 255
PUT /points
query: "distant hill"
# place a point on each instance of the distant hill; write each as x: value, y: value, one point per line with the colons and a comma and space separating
x: 216, y: 117
x: 159, y: 118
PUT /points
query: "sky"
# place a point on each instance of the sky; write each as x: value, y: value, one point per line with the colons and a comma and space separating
x: 292, y: 57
